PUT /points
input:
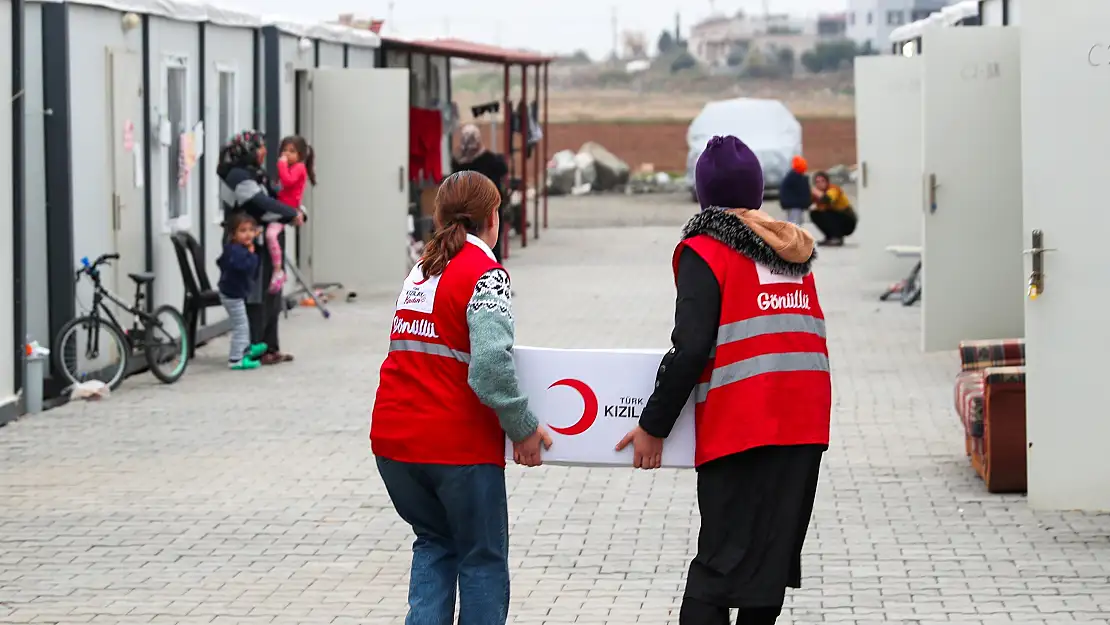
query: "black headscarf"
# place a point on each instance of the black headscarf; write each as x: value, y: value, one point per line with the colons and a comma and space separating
x: 242, y: 151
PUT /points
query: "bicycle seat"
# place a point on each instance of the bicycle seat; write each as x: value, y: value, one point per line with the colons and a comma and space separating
x: 142, y: 278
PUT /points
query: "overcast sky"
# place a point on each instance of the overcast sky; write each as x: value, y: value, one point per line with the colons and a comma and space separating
x: 545, y: 25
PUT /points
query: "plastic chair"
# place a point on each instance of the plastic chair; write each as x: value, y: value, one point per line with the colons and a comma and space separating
x: 199, y: 293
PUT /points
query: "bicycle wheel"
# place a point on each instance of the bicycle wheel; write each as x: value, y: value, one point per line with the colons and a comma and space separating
x: 90, y: 348
x: 167, y: 346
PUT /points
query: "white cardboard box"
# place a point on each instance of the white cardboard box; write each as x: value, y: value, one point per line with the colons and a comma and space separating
x: 591, y: 398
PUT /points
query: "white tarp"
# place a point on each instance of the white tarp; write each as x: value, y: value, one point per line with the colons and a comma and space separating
x: 766, y: 126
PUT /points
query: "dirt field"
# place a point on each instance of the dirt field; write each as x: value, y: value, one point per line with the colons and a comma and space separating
x: 826, y: 141
x: 608, y: 93
x: 603, y: 105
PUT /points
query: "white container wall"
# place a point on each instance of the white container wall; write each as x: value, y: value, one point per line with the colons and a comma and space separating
x: 174, y: 80
x: 358, y: 57
x: 7, y: 278
x: 229, y: 108
x: 298, y: 57
x: 96, y: 42
x: 35, y: 251
x: 991, y: 12
x: 330, y: 54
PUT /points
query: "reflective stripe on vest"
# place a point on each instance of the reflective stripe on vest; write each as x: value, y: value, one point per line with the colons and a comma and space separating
x: 431, y: 349
x: 768, y: 324
x: 766, y: 363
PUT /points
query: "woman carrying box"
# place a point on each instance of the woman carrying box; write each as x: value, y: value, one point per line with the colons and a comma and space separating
x: 447, y: 397
x: 749, y: 343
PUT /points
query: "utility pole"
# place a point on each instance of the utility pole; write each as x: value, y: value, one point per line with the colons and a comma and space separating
x: 677, y: 27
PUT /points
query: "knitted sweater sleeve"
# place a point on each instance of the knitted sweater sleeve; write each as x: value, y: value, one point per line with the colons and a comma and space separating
x: 492, y: 373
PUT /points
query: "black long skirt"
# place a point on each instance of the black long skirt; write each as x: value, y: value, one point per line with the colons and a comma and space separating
x: 755, y: 510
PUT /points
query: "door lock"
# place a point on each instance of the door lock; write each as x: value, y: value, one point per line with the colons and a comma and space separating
x: 1036, y: 277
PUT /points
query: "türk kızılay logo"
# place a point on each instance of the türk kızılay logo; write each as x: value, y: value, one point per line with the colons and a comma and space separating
x: 623, y: 408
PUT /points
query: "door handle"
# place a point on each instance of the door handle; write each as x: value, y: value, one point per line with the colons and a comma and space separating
x: 401, y: 178
x: 863, y: 174
x: 933, y: 185
x: 1036, y: 277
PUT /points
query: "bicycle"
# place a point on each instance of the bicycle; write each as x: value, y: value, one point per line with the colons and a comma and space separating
x: 161, y: 336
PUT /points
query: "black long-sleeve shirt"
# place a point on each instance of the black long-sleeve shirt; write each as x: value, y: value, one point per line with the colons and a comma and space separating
x: 696, y: 319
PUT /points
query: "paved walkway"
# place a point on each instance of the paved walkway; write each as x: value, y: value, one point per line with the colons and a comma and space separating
x: 252, y: 497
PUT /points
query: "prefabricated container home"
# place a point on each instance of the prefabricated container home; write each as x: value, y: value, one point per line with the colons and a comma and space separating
x: 127, y: 106
x: 356, y: 117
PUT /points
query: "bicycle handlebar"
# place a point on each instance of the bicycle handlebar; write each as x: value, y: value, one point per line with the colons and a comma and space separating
x: 91, y: 268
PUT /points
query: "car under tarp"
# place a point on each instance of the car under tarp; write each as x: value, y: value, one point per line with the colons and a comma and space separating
x: 766, y: 126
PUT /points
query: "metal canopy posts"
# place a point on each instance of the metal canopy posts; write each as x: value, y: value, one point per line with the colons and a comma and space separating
x: 481, y: 53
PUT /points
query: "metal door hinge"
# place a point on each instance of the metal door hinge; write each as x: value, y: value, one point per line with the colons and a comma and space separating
x: 933, y: 185
x: 116, y: 211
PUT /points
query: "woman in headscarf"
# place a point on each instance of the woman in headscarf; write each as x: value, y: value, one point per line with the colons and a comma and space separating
x: 749, y: 343
x: 244, y: 186
x: 473, y: 156
x: 832, y: 211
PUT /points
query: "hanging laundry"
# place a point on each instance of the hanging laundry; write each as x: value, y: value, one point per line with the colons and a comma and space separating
x: 535, y: 131
x: 425, y: 144
x: 483, y: 109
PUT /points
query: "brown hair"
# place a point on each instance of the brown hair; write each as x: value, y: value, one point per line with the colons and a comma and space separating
x: 233, y: 221
x: 305, y: 152
x: 464, y: 203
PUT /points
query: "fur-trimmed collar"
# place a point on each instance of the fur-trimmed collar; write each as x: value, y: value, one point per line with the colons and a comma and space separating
x: 730, y: 230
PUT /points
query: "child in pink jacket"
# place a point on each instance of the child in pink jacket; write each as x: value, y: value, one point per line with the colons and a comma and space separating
x: 296, y: 167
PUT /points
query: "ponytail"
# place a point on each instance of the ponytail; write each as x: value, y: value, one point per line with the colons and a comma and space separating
x: 445, y: 244
x: 310, y: 164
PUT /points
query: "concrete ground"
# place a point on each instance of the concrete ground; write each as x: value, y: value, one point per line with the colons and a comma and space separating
x: 252, y: 497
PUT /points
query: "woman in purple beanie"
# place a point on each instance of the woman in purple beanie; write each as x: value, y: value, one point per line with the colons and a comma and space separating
x: 749, y: 344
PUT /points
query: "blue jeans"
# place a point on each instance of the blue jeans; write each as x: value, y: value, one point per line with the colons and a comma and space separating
x: 461, y: 519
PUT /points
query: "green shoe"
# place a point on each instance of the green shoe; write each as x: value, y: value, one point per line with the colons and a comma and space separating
x: 244, y: 364
x: 255, y: 352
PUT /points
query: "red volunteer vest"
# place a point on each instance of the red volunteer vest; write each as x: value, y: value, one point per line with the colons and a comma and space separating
x: 425, y: 411
x: 767, y: 383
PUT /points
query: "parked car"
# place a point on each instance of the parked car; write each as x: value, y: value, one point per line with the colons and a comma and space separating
x: 766, y: 126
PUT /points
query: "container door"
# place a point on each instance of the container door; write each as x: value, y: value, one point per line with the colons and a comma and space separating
x: 888, y: 138
x: 125, y: 151
x: 303, y: 116
x: 360, y: 204
x: 972, y: 282
x: 1064, y: 77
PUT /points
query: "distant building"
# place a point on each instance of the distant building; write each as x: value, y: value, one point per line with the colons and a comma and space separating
x: 870, y: 22
x: 713, y: 40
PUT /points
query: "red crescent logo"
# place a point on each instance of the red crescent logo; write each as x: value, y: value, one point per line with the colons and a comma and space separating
x: 589, y: 412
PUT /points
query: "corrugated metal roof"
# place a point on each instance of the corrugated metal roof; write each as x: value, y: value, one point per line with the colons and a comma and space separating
x: 459, y: 49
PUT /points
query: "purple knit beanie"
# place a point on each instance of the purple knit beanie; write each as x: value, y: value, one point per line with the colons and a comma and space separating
x: 728, y: 175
